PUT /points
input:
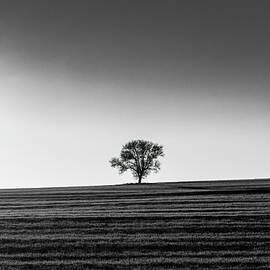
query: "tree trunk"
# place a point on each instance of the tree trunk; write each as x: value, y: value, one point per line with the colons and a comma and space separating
x: 140, y: 180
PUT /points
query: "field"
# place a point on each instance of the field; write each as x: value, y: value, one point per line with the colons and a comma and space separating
x: 188, y: 225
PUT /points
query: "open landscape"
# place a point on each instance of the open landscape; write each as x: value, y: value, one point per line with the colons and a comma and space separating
x: 144, y: 94
x: 181, y: 225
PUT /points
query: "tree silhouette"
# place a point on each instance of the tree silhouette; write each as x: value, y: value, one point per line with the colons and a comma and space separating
x: 140, y: 157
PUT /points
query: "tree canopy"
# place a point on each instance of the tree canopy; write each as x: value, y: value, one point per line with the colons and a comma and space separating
x: 140, y: 157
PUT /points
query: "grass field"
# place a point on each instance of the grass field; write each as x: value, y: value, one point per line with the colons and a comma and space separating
x: 188, y: 225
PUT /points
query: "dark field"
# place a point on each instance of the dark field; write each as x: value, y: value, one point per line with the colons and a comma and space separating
x: 199, y: 225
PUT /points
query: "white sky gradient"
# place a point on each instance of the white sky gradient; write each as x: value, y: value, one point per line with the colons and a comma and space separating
x: 62, y: 118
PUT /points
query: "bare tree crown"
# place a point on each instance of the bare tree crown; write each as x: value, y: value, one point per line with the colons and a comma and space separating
x: 140, y: 157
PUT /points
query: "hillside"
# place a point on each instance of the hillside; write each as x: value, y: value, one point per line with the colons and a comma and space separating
x: 177, y: 225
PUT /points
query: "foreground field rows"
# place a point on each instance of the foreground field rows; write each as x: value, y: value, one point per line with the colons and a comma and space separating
x: 154, y: 226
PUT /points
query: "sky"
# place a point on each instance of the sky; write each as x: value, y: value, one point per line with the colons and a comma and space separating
x: 80, y: 78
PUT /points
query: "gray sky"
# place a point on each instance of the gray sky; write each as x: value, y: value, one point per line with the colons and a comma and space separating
x: 78, y: 79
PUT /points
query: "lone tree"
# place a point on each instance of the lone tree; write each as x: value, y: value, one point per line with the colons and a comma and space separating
x: 140, y: 157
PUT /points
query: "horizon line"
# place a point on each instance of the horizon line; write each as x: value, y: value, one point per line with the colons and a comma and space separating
x: 131, y: 183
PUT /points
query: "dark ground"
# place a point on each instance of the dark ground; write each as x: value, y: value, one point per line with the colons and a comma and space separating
x: 188, y: 225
